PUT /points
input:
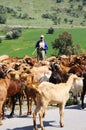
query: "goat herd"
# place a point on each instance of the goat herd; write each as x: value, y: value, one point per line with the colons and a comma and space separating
x: 41, y: 83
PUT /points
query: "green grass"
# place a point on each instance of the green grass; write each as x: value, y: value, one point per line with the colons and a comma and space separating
x: 25, y: 45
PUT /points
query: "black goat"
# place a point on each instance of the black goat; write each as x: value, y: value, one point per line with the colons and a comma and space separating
x: 56, y: 75
x: 83, y: 91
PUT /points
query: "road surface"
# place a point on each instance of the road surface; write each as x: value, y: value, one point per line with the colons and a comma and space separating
x: 74, y: 119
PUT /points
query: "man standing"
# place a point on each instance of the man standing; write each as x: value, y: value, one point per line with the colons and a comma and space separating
x: 41, y: 46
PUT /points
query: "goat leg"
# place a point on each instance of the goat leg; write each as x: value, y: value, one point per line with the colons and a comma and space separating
x: 13, y: 105
x: 29, y: 104
x: 0, y: 114
x: 82, y: 99
x: 20, y: 105
x: 0, y: 118
x: 0, y: 121
x: 41, y: 122
x: 61, y: 111
x: 34, y: 121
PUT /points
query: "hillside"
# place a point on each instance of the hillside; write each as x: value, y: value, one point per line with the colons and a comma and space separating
x: 55, y: 13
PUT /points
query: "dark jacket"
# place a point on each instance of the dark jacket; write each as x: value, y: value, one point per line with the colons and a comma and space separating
x: 45, y: 47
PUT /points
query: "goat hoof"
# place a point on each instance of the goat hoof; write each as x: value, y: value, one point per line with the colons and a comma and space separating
x: 82, y: 107
x: 36, y: 128
x: 61, y: 124
x: 29, y: 113
x: 11, y: 115
x: 3, y: 117
x: 20, y: 114
x: 0, y: 122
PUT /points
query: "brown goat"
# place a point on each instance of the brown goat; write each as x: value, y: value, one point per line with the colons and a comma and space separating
x: 3, y: 94
x: 13, y: 88
x: 15, y: 91
x: 4, y: 84
x: 29, y: 93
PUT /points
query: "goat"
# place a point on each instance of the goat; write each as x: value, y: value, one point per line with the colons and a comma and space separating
x: 14, y: 88
x: 77, y: 90
x: 75, y: 69
x: 15, y: 91
x: 56, y: 74
x: 52, y: 93
x: 4, y: 84
x: 3, y: 94
x: 83, y: 90
x: 29, y: 93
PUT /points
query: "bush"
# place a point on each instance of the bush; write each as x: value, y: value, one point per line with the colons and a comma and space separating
x: 9, y: 35
x: 0, y: 40
x: 58, y: 1
x: 70, y: 102
x: 2, y: 19
x: 14, y: 34
x: 47, y: 16
x: 50, y: 30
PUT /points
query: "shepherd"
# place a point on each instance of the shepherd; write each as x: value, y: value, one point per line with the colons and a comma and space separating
x: 42, y: 47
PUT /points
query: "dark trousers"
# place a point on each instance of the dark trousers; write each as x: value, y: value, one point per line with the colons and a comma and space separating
x: 40, y: 54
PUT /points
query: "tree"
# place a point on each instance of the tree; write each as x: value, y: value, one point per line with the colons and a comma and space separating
x: 64, y: 45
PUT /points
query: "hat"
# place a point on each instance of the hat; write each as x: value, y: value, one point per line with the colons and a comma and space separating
x: 42, y: 36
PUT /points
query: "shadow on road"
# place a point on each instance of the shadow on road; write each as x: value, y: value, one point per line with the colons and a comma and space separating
x: 46, y: 124
x: 76, y: 107
x: 22, y: 128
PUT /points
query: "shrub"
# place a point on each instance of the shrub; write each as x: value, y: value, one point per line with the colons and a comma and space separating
x: 59, y: 1
x: 47, y: 16
x: 9, y: 35
x: 14, y: 34
x: 50, y: 30
x: 2, y: 19
x: 70, y: 102
x: 0, y: 40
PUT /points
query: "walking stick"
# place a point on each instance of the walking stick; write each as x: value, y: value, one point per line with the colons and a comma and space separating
x: 34, y: 51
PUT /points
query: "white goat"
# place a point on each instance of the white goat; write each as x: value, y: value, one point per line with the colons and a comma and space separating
x: 49, y: 93
x: 77, y: 90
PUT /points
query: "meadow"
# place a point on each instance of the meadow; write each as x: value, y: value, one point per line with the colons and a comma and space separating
x: 25, y: 44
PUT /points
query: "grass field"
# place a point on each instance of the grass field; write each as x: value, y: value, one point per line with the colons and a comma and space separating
x: 25, y: 45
